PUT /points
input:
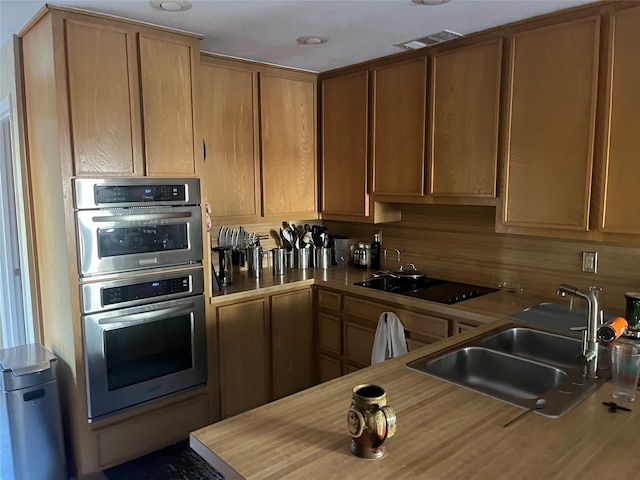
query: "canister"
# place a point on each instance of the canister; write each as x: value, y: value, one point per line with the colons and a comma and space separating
x: 323, y: 257
x: 277, y: 260
x: 304, y: 258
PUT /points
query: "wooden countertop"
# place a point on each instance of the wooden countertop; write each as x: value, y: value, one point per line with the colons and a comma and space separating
x: 480, y: 310
x: 444, y: 431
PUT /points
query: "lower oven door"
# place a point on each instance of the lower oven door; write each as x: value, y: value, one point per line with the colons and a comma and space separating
x: 138, y: 354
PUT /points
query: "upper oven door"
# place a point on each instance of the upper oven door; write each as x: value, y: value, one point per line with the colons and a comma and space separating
x: 127, y: 239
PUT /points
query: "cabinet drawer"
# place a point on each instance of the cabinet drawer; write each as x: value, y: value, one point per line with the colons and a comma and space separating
x: 329, y: 300
x: 358, y: 342
x: 423, y: 324
x: 329, y: 334
x: 150, y: 431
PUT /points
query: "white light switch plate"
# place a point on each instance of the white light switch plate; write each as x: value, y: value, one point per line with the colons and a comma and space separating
x: 590, y: 262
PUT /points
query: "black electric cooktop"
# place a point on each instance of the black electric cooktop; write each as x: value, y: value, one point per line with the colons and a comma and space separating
x: 432, y: 289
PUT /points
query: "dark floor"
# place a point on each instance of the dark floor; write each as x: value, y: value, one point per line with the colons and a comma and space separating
x: 175, y: 462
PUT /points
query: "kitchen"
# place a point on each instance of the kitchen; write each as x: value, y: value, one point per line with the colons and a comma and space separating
x: 463, y: 240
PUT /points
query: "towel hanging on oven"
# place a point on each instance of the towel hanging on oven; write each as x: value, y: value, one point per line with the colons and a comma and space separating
x: 389, y: 341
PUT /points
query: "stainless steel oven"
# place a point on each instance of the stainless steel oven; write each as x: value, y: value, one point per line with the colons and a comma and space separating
x: 136, y: 223
x: 144, y: 337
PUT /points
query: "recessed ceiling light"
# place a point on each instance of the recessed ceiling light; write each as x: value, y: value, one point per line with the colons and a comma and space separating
x: 171, y: 5
x: 431, y: 2
x: 312, y: 39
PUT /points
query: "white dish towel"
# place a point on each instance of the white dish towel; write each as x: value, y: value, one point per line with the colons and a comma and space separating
x: 389, y: 341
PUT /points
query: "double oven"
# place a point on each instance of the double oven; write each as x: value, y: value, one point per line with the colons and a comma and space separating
x: 141, y: 289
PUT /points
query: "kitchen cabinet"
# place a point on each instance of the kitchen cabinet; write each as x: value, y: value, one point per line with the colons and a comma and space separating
x: 265, y: 348
x: 288, y: 134
x: 463, y: 128
x: 259, y: 132
x: 85, y: 80
x: 244, y: 355
x: 345, y: 152
x: 619, y: 177
x: 399, y: 115
x: 229, y: 106
x: 549, y: 128
x: 168, y: 86
x: 347, y: 327
x: 292, y: 343
x: 130, y: 98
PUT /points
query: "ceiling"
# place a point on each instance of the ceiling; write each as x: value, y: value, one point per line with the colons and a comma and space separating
x: 266, y: 30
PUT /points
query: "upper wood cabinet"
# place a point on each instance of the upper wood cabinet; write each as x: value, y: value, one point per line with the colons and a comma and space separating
x: 259, y: 131
x: 344, y: 114
x: 399, y: 115
x: 104, y: 99
x: 552, y: 87
x: 345, y: 159
x: 620, y: 176
x: 130, y: 96
x: 288, y: 134
x: 229, y: 122
x: 167, y: 77
x: 463, y: 127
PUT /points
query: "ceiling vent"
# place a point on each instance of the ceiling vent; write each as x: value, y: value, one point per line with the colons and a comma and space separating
x: 429, y: 40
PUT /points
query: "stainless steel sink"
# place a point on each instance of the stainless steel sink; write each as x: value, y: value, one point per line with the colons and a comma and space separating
x: 542, y: 346
x: 525, y: 367
x: 497, y: 373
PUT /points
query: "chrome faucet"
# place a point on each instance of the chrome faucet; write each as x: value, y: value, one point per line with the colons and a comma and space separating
x: 589, y: 338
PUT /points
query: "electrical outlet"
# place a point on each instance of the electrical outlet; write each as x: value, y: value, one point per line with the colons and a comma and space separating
x: 590, y: 262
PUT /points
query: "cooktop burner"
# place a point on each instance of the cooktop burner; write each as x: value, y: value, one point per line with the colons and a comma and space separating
x: 432, y: 289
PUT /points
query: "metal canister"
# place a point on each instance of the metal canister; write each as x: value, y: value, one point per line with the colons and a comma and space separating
x: 254, y: 261
x: 278, y: 260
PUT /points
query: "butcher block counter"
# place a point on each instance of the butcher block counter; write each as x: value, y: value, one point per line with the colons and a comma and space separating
x: 443, y: 431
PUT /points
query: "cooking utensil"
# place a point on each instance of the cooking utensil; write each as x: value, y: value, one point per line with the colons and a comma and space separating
x: 408, y: 274
x: 540, y: 403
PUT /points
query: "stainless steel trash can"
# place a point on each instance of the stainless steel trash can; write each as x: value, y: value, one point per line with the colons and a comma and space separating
x: 31, y: 439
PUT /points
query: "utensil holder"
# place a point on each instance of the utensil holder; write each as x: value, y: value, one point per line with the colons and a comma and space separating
x: 304, y: 258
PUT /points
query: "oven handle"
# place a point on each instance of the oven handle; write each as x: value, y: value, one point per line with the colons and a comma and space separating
x: 141, y: 217
x: 138, y: 317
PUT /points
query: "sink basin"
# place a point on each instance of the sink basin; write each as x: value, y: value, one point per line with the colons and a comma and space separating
x: 542, y: 346
x: 496, y: 373
x: 523, y: 366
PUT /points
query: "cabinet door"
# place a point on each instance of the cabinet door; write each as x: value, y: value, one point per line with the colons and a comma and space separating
x: 167, y: 96
x: 292, y: 342
x: 549, y: 143
x: 329, y: 333
x: 329, y: 368
x: 288, y: 119
x: 358, y: 343
x: 399, y: 104
x: 465, y: 98
x: 243, y: 346
x: 228, y: 112
x: 344, y: 145
x: 621, y: 206
x: 104, y: 99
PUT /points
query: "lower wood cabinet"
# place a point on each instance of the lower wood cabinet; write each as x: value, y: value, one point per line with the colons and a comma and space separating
x: 328, y: 368
x: 292, y: 343
x: 243, y: 349
x: 347, y: 327
x: 265, y: 349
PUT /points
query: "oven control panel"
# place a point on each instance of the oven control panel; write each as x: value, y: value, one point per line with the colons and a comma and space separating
x: 140, y: 291
x: 156, y: 286
x: 107, y: 194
